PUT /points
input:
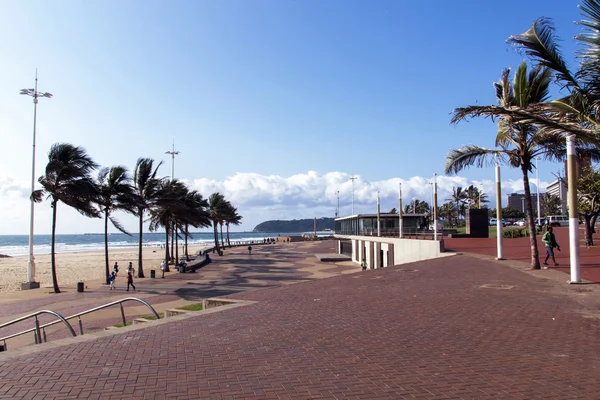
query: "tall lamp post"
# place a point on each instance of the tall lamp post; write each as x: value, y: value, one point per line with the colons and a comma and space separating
x: 537, y: 183
x: 337, y: 212
x: 173, y: 153
x: 353, y: 178
x: 31, y: 283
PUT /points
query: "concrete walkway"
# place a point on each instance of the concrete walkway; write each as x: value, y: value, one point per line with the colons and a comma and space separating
x: 458, y: 327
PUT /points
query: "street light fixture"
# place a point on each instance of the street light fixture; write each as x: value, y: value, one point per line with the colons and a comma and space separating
x: 173, y: 153
x: 31, y: 283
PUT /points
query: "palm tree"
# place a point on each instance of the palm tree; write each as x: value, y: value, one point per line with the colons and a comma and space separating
x: 168, y: 202
x: 417, y: 207
x: 518, y: 142
x: 114, y: 193
x: 475, y: 196
x: 458, y: 197
x: 231, y: 218
x: 447, y: 211
x: 194, y: 213
x: 146, y: 186
x: 217, y: 206
x: 67, y: 179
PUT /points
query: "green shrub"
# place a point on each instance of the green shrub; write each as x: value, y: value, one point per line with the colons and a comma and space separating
x: 515, y: 232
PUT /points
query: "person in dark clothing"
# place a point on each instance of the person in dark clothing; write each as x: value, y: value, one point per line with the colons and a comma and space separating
x: 130, y: 281
x: 249, y: 250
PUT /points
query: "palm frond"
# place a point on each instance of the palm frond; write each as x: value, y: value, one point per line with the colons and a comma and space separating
x: 589, y: 55
x: 469, y: 155
x: 541, y: 44
x: 37, y: 196
x: 118, y: 225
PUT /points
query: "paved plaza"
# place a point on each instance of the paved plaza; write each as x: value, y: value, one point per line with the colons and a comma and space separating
x: 459, y: 327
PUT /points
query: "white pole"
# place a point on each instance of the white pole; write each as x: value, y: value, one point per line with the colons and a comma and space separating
x: 500, y: 255
x: 537, y: 179
x: 352, y: 179
x: 435, y: 227
x: 31, y: 258
x: 400, y: 209
x: 573, y: 212
x: 378, y: 215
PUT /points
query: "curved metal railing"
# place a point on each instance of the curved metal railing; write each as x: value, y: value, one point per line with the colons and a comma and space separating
x: 40, y: 331
x: 37, y: 328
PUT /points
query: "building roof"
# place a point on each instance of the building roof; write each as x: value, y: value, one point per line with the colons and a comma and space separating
x: 382, y: 215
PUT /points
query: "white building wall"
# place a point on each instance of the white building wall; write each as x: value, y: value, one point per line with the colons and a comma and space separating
x: 402, y: 250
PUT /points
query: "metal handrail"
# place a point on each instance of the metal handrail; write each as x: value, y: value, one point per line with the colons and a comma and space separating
x: 37, y: 327
x: 65, y: 320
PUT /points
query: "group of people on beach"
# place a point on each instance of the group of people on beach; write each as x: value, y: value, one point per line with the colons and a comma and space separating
x: 113, y: 276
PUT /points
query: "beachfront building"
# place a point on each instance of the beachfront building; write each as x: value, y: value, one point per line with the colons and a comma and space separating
x: 366, y: 224
x: 358, y: 238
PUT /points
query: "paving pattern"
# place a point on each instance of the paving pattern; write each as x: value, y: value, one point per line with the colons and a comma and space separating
x: 453, y: 328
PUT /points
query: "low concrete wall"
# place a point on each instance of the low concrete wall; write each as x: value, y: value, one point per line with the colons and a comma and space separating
x: 400, y: 251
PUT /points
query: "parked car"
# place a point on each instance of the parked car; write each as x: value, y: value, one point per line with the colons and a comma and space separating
x: 494, y: 221
x: 521, y: 222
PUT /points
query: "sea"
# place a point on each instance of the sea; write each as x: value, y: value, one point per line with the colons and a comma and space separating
x: 18, y: 245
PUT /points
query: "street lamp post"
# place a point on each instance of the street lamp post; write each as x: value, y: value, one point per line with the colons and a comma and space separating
x: 31, y: 283
x: 337, y: 212
x: 537, y: 180
x: 173, y: 153
x: 353, y: 178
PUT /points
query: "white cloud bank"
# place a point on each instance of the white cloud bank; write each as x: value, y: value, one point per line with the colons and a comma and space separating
x: 260, y: 198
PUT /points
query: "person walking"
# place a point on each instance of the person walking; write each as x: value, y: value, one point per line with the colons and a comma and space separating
x: 130, y: 281
x: 249, y: 250
x: 550, y: 242
x: 163, y: 267
x: 130, y: 269
x: 111, y: 280
x: 116, y: 268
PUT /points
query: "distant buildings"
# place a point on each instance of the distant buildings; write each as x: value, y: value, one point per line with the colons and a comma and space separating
x: 516, y: 201
x: 558, y: 188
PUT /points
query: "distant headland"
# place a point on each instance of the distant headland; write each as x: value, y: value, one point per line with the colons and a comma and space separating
x: 295, y: 225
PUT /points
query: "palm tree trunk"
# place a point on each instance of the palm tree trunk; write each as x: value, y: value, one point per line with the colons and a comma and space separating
x: 176, y: 247
x: 587, y: 221
x: 172, y: 239
x: 216, y: 236
x: 535, y: 257
x: 140, y: 251
x: 222, y: 242
x: 52, y: 251
x: 167, y: 249
x: 228, y: 243
x: 106, y: 267
x: 186, y: 240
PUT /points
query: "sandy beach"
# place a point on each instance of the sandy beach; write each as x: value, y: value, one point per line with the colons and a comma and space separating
x: 80, y: 266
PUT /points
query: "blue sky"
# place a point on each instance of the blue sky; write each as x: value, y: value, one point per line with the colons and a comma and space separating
x: 270, y: 88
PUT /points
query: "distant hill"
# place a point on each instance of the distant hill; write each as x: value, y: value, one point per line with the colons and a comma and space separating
x: 295, y: 225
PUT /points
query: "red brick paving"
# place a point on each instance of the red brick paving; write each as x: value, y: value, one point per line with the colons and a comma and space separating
x: 425, y: 330
x: 520, y: 250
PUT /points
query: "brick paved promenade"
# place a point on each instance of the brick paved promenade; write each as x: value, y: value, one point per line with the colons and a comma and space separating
x: 454, y: 328
x: 520, y: 250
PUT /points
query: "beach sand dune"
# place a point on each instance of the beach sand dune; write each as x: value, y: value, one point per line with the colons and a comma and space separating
x: 81, y: 266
